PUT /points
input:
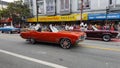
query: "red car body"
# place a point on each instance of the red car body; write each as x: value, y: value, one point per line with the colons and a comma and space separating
x: 62, y: 37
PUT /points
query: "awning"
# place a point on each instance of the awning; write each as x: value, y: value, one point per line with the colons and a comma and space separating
x: 72, y: 17
x: 6, y: 20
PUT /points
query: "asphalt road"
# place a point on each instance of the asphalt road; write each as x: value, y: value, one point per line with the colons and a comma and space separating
x: 15, y: 52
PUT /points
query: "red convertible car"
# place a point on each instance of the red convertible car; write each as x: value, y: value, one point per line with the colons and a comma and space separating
x: 105, y: 35
x: 53, y: 34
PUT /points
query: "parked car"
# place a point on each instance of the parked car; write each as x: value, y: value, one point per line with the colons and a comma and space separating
x: 9, y: 29
x: 105, y: 35
x: 52, y: 34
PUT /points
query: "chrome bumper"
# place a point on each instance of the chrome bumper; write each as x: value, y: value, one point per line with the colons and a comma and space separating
x: 82, y: 38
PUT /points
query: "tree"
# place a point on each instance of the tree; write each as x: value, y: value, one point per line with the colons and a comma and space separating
x: 4, y: 13
x: 17, y: 11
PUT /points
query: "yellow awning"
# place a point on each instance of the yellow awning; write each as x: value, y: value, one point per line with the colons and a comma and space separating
x: 72, y: 17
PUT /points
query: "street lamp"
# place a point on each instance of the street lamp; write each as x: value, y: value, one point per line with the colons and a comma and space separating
x: 81, y: 11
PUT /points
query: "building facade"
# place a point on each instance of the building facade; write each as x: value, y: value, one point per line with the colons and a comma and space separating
x: 3, y: 4
x: 95, y: 9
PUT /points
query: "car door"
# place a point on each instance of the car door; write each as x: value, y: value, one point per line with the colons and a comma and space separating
x: 34, y: 35
x: 89, y: 33
x: 93, y: 33
x: 96, y: 34
x: 40, y: 36
x: 49, y: 37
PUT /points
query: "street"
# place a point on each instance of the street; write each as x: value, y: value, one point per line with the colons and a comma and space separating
x: 15, y: 52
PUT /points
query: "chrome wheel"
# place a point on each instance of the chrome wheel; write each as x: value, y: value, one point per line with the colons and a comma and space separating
x: 65, y: 43
x: 106, y: 38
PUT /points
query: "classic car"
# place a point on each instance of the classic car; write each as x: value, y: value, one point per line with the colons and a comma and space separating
x: 52, y: 34
x: 105, y: 35
x: 9, y: 29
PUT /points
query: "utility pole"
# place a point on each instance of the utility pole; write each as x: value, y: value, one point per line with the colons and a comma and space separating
x: 81, y: 11
x: 37, y: 10
x: 107, y: 12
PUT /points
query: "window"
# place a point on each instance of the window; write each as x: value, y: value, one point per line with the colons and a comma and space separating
x: 62, y: 4
x: 50, y: 6
x: 31, y: 2
x: 65, y: 4
x: 110, y: 1
x: 40, y: 7
x: 86, y: 4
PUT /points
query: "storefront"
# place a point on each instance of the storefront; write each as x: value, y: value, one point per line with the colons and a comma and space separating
x: 101, y: 19
x: 104, y: 18
x: 5, y: 21
x: 63, y: 18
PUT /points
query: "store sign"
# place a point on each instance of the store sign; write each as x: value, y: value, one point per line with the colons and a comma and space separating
x: 72, y: 17
x: 103, y: 16
x: 50, y: 7
x: 64, y: 6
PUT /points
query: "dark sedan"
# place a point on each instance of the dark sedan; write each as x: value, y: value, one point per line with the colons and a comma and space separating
x: 105, y: 35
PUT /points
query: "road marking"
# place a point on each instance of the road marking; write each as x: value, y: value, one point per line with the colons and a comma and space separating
x: 103, y: 48
x: 33, y: 59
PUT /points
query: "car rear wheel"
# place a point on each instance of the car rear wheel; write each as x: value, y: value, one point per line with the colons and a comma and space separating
x: 65, y: 43
x: 33, y: 41
x: 106, y: 38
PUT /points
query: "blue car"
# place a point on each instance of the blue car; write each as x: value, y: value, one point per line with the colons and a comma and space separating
x: 9, y: 29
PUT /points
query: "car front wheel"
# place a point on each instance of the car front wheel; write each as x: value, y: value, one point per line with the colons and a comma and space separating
x: 33, y: 41
x: 106, y: 38
x: 65, y: 43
